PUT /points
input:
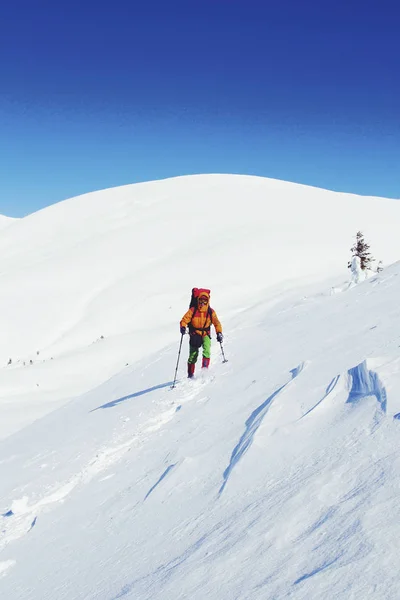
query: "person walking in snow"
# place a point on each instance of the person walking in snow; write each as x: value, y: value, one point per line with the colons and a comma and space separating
x: 199, y: 319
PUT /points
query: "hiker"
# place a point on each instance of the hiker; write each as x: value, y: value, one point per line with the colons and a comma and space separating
x: 199, y: 318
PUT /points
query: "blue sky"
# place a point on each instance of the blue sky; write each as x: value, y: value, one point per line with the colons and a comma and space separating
x: 95, y: 95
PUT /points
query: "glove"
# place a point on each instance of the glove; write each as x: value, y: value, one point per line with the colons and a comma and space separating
x: 183, y: 330
x: 220, y: 337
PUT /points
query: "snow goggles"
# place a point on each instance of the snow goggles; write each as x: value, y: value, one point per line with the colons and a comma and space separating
x: 202, y: 300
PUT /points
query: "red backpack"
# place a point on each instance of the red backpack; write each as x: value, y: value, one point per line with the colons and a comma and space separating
x: 195, y: 296
x: 196, y: 339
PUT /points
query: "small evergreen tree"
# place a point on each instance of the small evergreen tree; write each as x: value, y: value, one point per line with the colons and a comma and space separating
x: 361, y: 249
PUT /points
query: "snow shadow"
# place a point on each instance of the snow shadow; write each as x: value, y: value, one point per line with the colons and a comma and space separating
x: 328, y: 390
x: 135, y: 395
x: 364, y: 383
x: 252, y: 424
x: 165, y: 571
x: 322, y: 567
x: 167, y: 470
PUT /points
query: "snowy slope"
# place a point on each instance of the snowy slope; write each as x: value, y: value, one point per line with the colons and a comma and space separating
x: 119, y: 264
x: 275, y: 475
x: 6, y: 221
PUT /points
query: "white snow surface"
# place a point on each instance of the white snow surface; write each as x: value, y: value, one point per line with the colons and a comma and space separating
x: 6, y: 221
x: 274, y: 475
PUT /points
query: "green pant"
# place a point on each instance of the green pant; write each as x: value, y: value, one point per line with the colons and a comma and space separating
x: 194, y: 352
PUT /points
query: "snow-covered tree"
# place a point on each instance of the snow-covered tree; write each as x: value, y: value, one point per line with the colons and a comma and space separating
x: 357, y: 274
x: 361, y: 249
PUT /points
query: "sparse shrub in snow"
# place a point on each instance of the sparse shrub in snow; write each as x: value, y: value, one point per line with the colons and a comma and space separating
x: 361, y: 250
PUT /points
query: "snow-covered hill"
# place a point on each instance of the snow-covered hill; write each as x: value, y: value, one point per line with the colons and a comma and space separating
x: 274, y: 475
x: 6, y: 221
x: 119, y: 264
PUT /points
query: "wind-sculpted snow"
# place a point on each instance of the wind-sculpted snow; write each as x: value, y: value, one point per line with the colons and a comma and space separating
x: 364, y: 383
x: 153, y: 487
x: 252, y: 424
x: 319, y: 569
x: 328, y: 391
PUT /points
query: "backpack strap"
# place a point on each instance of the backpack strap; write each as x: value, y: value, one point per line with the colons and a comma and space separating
x: 202, y: 329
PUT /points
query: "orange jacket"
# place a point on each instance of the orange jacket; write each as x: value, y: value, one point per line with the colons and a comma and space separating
x: 200, y: 317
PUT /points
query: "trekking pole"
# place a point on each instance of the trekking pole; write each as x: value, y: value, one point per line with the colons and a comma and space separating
x: 177, y: 362
x: 223, y: 353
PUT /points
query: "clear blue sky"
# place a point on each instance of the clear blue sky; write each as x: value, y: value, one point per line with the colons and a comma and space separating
x: 95, y: 94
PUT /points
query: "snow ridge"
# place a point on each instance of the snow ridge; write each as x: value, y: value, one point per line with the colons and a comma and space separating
x: 252, y: 425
